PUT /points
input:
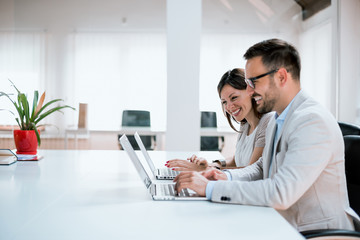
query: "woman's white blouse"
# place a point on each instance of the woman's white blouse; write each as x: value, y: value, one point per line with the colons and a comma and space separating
x: 246, y: 143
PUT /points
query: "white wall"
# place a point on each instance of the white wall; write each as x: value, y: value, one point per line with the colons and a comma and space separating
x: 330, y: 51
x: 315, y: 49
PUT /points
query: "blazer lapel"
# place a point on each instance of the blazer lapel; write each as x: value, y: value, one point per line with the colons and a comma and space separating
x: 275, y: 147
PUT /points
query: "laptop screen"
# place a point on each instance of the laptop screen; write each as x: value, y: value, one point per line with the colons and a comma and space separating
x: 145, y: 153
x: 136, y: 161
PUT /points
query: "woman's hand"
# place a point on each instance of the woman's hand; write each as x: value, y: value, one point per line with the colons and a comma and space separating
x: 198, y: 160
x: 185, y: 165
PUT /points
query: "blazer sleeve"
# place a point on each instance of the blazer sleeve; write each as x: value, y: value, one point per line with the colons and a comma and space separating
x: 249, y: 173
x: 309, y: 144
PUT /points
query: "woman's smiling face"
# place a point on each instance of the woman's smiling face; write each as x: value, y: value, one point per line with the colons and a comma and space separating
x: 235, y: 102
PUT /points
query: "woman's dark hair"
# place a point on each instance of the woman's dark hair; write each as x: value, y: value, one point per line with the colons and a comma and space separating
x: 236, y: 79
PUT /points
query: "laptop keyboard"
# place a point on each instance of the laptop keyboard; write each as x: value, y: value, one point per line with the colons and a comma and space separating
x: 169, y: 190
x: 168, y: 172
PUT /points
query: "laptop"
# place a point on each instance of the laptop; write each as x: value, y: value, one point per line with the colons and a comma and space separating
x: 159, y: 173
x: 157, y: 190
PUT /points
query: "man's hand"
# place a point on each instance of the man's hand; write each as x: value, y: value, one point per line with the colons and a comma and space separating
x: 193, y: 180
x: 214, y: 174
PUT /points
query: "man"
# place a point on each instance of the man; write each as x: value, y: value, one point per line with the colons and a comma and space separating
x: 301, y: 172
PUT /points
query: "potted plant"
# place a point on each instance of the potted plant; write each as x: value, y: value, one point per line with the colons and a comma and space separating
x: 27, y: 138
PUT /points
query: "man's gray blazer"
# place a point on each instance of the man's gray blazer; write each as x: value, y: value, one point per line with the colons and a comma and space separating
x: 307, y: 184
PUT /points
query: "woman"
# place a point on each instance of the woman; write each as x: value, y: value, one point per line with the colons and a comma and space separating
x: 237, y: 106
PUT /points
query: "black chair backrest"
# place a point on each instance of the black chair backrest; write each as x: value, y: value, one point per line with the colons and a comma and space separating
x: 209, y: 143
x: 137, y: 118
x: 352, y: 170
x: 349, y: 129
x: 331, y: 234
x: 208, y: 119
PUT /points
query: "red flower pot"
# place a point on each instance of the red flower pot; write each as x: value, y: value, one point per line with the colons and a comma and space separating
x: 25, y: 142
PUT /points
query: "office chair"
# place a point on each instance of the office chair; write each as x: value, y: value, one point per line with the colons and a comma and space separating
x: 349, y: 129
x: 81, y: 129
x: 210, y: 143
x: 352, y: 167
x: 335, y: 234
x: 138, y: 118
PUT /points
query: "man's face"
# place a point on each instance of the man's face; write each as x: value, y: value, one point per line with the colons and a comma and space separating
x: 265, y: 93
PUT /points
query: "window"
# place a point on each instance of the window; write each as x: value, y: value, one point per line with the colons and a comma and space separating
x: 118, y: 71
x: 21, y: 61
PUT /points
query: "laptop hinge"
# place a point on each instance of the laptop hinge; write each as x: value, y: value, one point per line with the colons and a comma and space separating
x: 147, y: 182
x: 153, y: 189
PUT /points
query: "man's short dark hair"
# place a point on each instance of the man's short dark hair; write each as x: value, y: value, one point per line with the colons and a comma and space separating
x: 276, y: 53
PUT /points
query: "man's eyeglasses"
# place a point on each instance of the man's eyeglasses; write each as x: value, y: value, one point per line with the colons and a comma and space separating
x: 250, y: 81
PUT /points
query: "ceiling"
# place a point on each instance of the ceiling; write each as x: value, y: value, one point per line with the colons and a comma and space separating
x: 217, y: 15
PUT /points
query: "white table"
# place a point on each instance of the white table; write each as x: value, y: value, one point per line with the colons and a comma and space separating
x: 145, y: 131
x: 75, y: 131
x: 72, y: 194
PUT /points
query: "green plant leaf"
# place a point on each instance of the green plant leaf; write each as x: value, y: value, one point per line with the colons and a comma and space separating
x: 20, y: 112
x: 25, y: 107
x: 35, y: 102
x: 36, y: 133
x: 8, y: 111
x: 17, y: 107
x: 17, y: 120
x: 42, y: 116
x: 12, y: 84
x: 45, y: 106
x: 6, y: 95
x: 28, y: 120
x: 39, y: 106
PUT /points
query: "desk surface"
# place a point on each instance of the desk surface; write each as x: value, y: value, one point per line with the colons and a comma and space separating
x: 98, y: 195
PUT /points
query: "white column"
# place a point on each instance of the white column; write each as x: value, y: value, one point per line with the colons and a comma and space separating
x: 335, y: 68
x: 349, y: 59
x: 183, y: 63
